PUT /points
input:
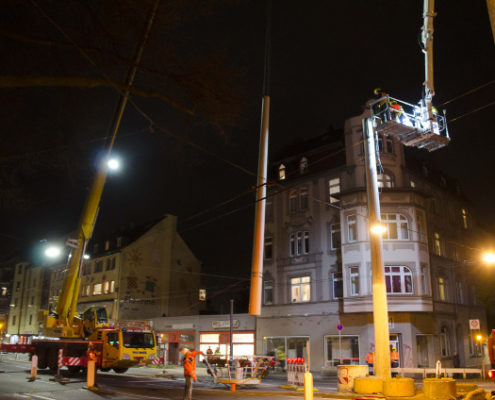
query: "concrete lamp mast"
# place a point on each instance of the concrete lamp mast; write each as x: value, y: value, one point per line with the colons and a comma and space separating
x: 380, y: 307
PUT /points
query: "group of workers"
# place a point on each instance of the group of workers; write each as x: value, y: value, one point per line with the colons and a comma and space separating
x: 394, y: 360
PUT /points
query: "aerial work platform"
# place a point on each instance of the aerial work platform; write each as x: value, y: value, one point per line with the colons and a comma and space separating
x: 412, y: 125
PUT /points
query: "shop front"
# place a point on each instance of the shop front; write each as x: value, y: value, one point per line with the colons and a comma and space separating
x: 170, y: 343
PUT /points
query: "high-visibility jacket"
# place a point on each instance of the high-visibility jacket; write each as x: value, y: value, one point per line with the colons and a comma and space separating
x: 190, y: 363
x: 370, y: 358
x: 394, y: 356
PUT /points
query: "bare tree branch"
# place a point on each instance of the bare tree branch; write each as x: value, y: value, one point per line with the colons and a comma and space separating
x: 11, y: 81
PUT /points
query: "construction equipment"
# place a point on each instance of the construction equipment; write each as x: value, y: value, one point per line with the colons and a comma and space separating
x: 416, y: 125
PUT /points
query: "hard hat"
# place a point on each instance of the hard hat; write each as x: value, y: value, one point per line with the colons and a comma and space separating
x: 393, y: 348
x: 184, y: 351
x: 377, y: 91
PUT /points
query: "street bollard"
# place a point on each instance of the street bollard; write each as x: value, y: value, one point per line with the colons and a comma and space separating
x: 308, y: 386
x: 232, y: 387
x: 91, y: 376
x: 34, y: 368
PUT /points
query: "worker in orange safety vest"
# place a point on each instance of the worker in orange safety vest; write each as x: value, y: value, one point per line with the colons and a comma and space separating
x: 394, y: 360
x: 189, y: 371
x: 370, y: 359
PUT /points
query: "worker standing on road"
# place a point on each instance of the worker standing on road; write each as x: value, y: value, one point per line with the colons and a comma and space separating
x: 370, y: 359
x: 394, y: 360
x: 189, y: 371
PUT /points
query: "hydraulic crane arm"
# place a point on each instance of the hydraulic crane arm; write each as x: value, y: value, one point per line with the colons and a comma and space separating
x: 63, y: 323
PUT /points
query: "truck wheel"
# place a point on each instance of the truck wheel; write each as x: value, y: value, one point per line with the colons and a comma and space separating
x: 73, y: 369
x: 42, y: 363
x: 120, y: 370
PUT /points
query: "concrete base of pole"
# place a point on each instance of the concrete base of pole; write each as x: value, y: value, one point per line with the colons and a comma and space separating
x: 399, y: 387
x: 439, y: 388
x: 368, y: 385
x: 464, y: 388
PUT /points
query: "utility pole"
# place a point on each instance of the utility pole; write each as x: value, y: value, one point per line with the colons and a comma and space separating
x: 380, y: 307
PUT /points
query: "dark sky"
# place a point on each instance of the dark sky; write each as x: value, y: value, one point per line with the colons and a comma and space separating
x: 327, y: 57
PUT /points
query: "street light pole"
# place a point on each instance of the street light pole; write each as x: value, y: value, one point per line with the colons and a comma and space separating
x: 380, y: 308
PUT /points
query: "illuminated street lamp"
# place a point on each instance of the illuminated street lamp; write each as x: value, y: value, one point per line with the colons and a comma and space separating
x: 113, y: 164
x: 489, y: 257
x: 378, y: 229
x: 479, y: 350
x: 53, y: 252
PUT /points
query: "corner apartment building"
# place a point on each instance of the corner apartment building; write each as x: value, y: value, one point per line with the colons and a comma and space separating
x: 137, y: 274
x: 317, y: 272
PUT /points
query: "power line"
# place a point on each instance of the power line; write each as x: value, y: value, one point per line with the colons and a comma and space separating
x: 471, y: 112
x: 467, y: 93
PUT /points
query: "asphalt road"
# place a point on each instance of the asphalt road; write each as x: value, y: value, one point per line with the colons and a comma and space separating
x: 15, y: 385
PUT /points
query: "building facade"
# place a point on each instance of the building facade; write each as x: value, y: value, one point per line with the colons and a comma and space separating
x: 138, y: 274
x: 317, y: 271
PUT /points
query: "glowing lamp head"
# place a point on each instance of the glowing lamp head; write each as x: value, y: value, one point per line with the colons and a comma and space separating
x: 113, y: 164
x: 86, y: 257
x: 378, y: 229
x: 489, y: 257
x: 52, y: 252
x: 479, y: 337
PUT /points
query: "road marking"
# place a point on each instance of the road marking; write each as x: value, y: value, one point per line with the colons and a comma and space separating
x: 42, y: 397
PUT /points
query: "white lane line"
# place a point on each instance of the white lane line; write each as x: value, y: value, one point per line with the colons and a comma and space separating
x: 49, y: 382
x: 39, y: 396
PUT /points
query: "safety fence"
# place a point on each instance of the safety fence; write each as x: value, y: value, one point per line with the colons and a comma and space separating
x: 296, y: 367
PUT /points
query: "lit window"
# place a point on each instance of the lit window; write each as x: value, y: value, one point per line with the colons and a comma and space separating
x: 293, y: 201
x: 351, y: 228
x: 412, y: 184
x: 3, y: 291
x: 303, y: 165
x: 354, y: 279
x: 300, y: 289
x: 397, y: 227
x: 97, y: 288
x: 268, y: 293
x: 398, y: 279
x: 106, y: 287
x: 437, y: 244
x: 385, y: 181
x: 303, y: 199
x: 107, y: 245
x: 268, y: 248
x: 112, y: 286
x: 299, y: 243
x: 442, y: 288
x: 342, y: 349
x: 334, y: 190
x: 335, y: 236
x: 338, y: 291
x: 281, y: 172
x: 464, y: 218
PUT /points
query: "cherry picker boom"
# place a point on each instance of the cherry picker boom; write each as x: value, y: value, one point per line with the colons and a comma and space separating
x: 417, y: 125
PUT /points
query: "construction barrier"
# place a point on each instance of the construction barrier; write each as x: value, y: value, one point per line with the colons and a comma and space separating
x: 296, y: 368
x: 34, y: 367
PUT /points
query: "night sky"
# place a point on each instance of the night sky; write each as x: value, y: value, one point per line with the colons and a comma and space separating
x: 326, y: 59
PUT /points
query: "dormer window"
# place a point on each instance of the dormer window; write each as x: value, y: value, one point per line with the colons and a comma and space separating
x: 303, y: 165
x: 281, y: 172
x: 107, y: 245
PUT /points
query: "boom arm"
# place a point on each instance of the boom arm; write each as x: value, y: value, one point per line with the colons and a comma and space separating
x: 427, y: 40
x: 63, y: 324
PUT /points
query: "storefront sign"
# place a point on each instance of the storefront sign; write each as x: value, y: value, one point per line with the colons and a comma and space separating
x: 224, y: 324
x: 474, y: 324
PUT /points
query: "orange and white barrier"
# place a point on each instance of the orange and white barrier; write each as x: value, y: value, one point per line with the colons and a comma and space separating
x: 296, y: 367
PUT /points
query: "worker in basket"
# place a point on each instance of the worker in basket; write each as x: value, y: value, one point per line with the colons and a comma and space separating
x: 380, y: 108
x: 396, y: 112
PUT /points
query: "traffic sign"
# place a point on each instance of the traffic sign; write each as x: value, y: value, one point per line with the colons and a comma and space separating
x: 474, y: 324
